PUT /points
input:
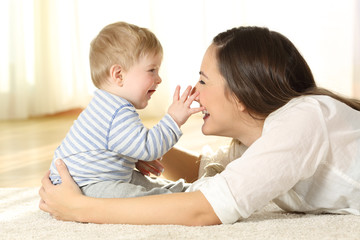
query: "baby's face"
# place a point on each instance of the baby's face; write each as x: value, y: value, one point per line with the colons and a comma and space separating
x: 141, y: 80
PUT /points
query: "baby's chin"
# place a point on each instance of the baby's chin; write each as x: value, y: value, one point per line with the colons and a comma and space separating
x: 141, y: 106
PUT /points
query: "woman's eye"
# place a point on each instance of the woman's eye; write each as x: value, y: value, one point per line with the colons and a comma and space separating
x: 201, y: 82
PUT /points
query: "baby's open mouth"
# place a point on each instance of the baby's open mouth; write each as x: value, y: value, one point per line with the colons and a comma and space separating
x: 151, y: 92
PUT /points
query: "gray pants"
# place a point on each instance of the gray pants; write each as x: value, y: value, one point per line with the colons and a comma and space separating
x: 139, y: 185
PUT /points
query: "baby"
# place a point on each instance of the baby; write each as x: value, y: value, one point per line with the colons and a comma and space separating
x: 108, y: 137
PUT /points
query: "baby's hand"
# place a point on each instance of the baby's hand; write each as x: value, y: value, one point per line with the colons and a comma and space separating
x: 153, y: 167
x: 180, y: 109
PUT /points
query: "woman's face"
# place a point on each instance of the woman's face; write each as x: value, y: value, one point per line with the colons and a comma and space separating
x: 223, y: 112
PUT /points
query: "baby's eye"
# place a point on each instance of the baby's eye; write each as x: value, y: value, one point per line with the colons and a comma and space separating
x: 152, y: 70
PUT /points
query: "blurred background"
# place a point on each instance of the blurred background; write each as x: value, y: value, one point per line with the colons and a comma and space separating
x: 44, y: 44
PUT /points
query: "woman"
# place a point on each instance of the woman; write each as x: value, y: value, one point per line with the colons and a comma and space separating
x: 302, y: 144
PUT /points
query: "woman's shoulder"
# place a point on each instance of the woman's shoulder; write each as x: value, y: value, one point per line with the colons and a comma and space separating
x: 304, y: 105
x: 303, y: 113
x: 311, y: 103
x: 313, y: 110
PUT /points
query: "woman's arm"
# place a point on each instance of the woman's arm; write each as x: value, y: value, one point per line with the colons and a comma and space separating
x: 179, y: 163
x: 179, y: 208
x: 65, y: 202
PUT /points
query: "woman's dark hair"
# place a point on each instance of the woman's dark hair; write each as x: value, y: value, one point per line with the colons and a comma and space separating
x: 265, y: 71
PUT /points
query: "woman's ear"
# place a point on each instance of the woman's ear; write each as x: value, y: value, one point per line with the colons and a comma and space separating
x: 116, y: 75
x: 241, y: 106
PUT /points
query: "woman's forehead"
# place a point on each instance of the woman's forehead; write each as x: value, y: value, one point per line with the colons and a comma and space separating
x: 209, y: 60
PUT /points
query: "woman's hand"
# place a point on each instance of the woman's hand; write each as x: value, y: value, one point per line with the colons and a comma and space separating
x: 61, y: 201
x: 154, y: 167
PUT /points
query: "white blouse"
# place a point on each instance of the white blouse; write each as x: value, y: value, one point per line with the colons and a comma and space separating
x: 306, y: 160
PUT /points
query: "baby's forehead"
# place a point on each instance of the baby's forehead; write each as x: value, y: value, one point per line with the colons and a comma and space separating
x: 149, y: 54
x: 151, y: 59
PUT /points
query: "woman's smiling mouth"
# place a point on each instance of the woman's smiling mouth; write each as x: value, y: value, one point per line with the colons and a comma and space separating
x: 206, y: 114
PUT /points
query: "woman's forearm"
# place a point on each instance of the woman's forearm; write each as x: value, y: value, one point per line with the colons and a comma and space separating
x: 180, y: 163
x: 66, y: 202
x: 179, y: 208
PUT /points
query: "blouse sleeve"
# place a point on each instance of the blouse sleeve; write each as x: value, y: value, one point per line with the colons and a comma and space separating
x: 293, y: 143
x: 221, y: 157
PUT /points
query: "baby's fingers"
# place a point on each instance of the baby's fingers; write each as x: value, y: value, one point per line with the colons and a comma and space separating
x: 186, y: 94
x: 191, y: 98
x: 196, y: 110
x: 176, y: 94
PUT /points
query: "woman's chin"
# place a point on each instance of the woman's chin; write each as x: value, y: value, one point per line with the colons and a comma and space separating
x: 205, y: 131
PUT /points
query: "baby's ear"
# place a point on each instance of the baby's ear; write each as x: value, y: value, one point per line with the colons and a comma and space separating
x: 116, y: 74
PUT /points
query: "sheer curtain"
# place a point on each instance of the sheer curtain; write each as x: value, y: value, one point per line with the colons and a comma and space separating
x: 356, y: 78
x: 41, y: 69
x: 44, y: 49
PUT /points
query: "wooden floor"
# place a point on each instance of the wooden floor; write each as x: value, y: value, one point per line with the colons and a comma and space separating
x: 27, y: 146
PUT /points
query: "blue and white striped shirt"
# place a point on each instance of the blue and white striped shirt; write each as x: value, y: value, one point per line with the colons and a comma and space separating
x: 108, y: 138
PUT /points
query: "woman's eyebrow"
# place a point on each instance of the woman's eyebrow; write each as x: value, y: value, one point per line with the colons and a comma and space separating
x: 203, y: 74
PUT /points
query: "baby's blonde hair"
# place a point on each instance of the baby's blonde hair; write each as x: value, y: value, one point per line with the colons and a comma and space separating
x: 120, y: 43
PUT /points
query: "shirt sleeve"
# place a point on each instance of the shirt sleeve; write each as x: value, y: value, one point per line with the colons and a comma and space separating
x: 223, y: 155
x: 129, y: 137
x: 292, y: 145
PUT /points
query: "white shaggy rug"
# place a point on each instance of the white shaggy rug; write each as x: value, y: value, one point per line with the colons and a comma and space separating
x: 20, y: 218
